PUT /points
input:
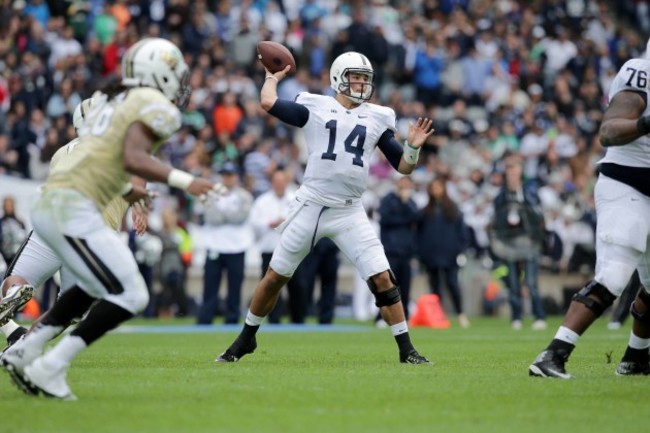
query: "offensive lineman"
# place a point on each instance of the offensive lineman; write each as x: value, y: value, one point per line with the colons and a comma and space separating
x: 622, y: 197
x: 341, y: 133
x: 118, y: 137
x: 36, y: 262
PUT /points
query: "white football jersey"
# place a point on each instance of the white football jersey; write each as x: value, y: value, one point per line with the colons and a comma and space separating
x: 634, y: 75
x: 340, y: 142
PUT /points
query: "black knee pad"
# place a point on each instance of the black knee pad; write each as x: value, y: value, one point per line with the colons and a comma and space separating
x: 389, y: 297
x: 642, y: 317
x: 601, y: 292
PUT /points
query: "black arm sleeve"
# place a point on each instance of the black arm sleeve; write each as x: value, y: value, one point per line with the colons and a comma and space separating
x: 290, y: 112
x: 391, y: 149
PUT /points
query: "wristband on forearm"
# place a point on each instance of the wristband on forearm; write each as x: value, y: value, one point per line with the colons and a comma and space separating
x: 179, y: 179
x: 643, y: 125
x: 411, y: 154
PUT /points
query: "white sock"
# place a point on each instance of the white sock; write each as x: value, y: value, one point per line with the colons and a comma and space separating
x: 41, y: 334
x: 9, y: 328
x: 65, y: 351
x: 399, y: 328
x: 638, y: 342
x: 567, y: 335
x: 253, y: 320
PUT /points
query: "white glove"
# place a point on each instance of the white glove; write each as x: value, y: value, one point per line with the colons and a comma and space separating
x: 218, y: 191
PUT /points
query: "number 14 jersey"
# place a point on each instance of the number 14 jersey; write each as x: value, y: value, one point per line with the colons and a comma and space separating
x: 340, y: 143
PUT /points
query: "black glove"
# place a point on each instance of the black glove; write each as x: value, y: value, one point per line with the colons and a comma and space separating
x: 643, y: 125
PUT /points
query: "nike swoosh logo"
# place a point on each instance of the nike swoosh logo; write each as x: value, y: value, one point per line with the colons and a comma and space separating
x: 362, y: 117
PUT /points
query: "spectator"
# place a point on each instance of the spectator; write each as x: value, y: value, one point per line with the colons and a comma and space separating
x: 517, y: 236
x: 227, y: 237
x: 398, y: 215
x: 441, y: 237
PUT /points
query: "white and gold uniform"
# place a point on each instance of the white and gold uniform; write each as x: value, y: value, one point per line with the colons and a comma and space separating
x: 68, y: 216
x: 36, y: 262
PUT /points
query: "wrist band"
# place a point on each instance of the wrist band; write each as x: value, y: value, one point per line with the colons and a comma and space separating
x: 272, y: 76
x: 411, y: 154
x: 127, y: 189
x: 179, y: 179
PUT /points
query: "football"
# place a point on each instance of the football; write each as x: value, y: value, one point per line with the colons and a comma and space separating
x: 275, y: 57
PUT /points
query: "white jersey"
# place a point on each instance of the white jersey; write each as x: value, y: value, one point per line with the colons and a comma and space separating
x: 340, y: 142
x: 633, y: 76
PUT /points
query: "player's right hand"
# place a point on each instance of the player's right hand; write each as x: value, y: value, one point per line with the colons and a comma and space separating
x: 206, y: 190
x: 280, y: 74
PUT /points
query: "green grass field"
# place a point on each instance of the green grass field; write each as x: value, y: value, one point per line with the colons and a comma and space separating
x: 336, y: 382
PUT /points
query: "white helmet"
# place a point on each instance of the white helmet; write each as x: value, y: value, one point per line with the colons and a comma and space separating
x: 81, y: 111
x: 157, y: 63
x: 352, y: 62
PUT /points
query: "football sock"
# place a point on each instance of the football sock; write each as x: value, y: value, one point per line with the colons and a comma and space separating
x: 560, y: 347
x: 70, y: 305
x: 253, y: 320
x: 8, y: 328
x: 65, y: 351
x: 638, y: 342
x: 565, y: 334
x: 399, y: 328
x: 15, y: 336
x: 103, y: 317
x: 404, y: 343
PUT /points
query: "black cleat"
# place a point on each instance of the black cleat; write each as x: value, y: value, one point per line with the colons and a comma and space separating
x: 236, y: 351
x: 549, y: 364
x: 633, y: 368
x: 413, y: 357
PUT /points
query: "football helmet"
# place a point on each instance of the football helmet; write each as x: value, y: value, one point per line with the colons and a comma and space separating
x: 343, y: 66
x: 157, y: 63
x: 80, y: 112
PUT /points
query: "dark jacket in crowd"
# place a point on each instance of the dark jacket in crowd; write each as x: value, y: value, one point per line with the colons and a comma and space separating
x: 397, y: 224
x: 440, y: 240
x: 517, y: 230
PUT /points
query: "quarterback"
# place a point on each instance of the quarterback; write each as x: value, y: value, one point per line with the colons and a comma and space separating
x: 341, y: 134
x: 116, y: 141
x: 622, y: 197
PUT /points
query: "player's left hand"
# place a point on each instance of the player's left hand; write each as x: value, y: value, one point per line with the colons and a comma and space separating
x: 139, y: 215
x: 419, y: 132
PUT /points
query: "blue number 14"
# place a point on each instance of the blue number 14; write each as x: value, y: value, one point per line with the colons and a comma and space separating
x: 353, y: 143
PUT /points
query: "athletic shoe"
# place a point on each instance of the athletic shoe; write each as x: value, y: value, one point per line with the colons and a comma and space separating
x: 49, y: 381
x: 463, y: 321
x: 413, y: 357
x: 633, y: 368
x: 517, y: 325
x: 549, y: 364
x: 539, y: 325
x: 15, y: 299
x: 236, y: 351
x: 614, y: 326
x: 14, y: 359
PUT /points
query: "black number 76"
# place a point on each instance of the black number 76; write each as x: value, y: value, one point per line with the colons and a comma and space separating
x: 641, y: 78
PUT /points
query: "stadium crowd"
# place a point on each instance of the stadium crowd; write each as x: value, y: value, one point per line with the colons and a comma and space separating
x: 498, y: 76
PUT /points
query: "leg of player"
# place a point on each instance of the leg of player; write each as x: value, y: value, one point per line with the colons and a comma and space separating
x: 388, y: 299
x: 586, y: 306
x: 264, y: 299
x: 636, y: 360
x: 18, y: 356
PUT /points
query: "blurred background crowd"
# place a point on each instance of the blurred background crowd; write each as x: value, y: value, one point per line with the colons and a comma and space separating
x: 501, y: 78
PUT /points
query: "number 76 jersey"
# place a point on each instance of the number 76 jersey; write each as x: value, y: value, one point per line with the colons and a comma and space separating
x: 340, y: 143
x: 634, y: 76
